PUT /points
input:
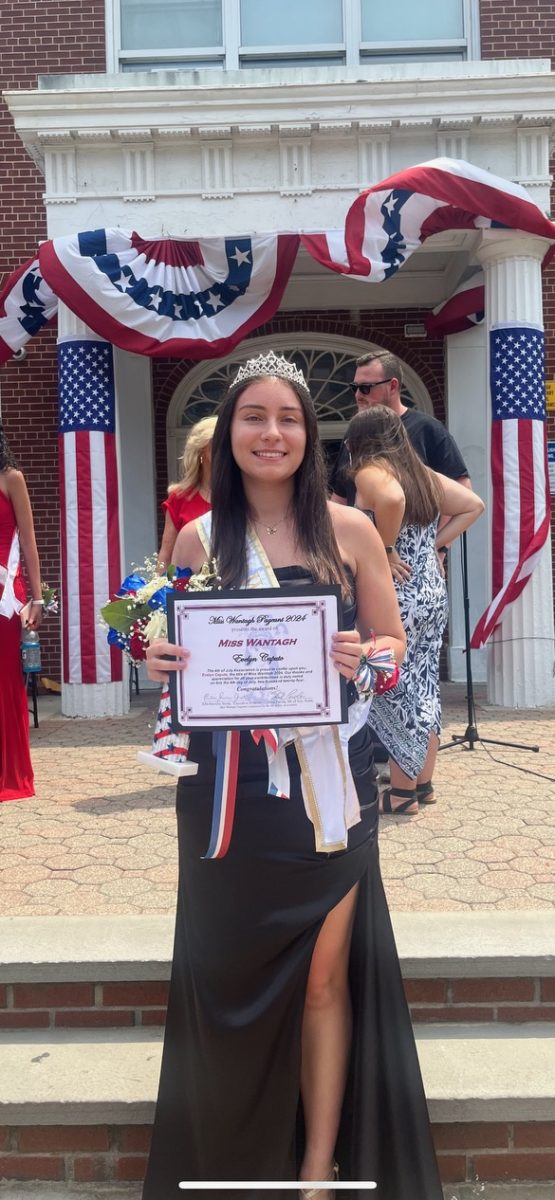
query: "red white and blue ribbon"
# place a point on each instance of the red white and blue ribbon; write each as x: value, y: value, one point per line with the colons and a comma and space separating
x: 377, y: 672
x: 226, y: 746
x: 165, y: 743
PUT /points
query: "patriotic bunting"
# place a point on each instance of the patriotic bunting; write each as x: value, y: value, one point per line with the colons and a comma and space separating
x: 464, y: 309
x: 520, y: 492
x: 169, y: 297
x: 26, y: 305
x: 199, y: 299
x: 388, y: 222
x: 90, y: 538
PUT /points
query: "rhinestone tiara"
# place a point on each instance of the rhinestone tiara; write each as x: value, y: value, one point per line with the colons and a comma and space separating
x: 270, y: 364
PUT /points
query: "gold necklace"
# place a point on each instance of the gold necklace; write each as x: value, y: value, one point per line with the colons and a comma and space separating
x: 271, y: 529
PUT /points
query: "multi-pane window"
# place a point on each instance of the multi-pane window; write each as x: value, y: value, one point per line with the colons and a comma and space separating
x: 159, y: 34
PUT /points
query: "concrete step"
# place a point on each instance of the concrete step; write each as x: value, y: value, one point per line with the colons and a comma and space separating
x: 92, y: 972
x: 46, y: 1191
x: 76, y: 1105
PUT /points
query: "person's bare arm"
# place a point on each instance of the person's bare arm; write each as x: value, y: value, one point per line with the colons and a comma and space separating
x: 377, y: 608
x: 379, y: 492
x: 19, y: 496
x: 167, y: 545
x: 188, y: 552
x: 464, y: 481
x: 460, y: 506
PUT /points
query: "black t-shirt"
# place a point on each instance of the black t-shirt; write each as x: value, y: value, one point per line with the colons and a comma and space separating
x: 432, y: 442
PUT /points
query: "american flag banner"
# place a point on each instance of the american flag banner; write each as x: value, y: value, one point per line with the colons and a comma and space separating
x: 463, y: 310
x: 90, y: 539
x: 389, y: 221
x: 170, y: 297
x: 520, y: 485
x: 26, y: 305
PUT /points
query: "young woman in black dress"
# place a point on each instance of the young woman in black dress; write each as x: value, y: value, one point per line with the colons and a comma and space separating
x: 288, y: 1043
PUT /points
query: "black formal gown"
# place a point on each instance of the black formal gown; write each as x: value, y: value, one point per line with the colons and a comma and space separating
x: 229, y: 1103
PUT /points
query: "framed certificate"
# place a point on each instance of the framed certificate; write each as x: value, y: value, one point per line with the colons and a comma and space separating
x: 259, y: 657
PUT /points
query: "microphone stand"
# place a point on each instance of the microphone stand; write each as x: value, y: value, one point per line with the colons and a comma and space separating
x: 470, y: 736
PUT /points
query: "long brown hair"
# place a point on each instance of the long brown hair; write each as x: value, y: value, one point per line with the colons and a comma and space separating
x: 376, y: 435
x: 312, y: 521
x: 7, y: 459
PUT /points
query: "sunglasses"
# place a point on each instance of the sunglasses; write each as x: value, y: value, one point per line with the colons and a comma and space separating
x: 366, y: 388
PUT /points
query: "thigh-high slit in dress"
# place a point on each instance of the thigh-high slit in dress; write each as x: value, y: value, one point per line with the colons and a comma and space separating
x: 229, y: 1101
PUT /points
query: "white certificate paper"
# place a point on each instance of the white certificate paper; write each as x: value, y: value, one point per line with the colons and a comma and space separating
x: 259, y: 658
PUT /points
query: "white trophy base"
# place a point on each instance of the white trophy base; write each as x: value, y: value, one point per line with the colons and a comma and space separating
x: 165, y: 765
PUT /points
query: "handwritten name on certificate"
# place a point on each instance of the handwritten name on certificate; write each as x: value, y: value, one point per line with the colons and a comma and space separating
x: 259, y: 657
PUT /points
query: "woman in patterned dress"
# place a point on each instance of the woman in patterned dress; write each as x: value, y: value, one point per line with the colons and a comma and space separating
x: 405, y: 499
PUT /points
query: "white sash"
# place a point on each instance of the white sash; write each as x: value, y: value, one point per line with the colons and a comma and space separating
x: 329, y: 793
x: 9, y: 604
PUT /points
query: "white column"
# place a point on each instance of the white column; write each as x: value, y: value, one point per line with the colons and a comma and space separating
x: 90, y: 683
x: 467, y: 420
x: 520, y: 653
x: 136, y: 473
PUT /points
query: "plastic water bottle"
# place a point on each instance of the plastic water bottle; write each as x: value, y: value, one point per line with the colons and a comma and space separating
x: 30, y: 651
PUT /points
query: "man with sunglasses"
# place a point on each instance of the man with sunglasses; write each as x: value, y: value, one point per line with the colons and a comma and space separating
x: 378, y: 380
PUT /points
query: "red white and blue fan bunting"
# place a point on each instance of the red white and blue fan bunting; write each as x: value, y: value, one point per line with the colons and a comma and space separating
x: 26, y: 305
x: 389, y: 221
x: 200, y: 299
x: 463, y: 310
x: 169, y: 297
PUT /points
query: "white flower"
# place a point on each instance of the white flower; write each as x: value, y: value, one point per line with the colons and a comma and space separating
x: 150, y: 587
x: 157, y: 626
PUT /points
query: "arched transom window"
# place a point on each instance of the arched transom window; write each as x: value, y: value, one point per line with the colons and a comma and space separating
x: 328, y: 364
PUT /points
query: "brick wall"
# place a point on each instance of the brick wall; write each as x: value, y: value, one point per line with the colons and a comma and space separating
x: 121, y: 1005
x: 473, y: 1151
x: 37, y: 38
x: 517, y: 29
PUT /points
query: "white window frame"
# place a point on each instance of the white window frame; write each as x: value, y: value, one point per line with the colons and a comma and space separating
x: 232, y: 55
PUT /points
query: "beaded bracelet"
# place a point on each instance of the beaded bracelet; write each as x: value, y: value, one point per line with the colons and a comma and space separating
x: 41, y: 602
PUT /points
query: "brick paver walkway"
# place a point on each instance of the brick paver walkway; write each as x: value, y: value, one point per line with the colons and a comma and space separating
x: 99, y: 837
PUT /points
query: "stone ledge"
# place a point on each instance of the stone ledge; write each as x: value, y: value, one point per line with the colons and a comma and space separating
x: 484, y: 1073
x: 452, y: 1191
x: 430, y: 945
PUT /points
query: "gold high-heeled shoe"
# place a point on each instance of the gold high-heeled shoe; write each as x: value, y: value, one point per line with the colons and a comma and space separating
x: 320, y: 1193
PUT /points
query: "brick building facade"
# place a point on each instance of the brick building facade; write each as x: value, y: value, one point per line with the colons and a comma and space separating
x: 68, y: 37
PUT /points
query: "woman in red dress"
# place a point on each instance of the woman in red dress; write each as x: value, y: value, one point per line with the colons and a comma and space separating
x: 190, y: 498
x: 16, y: 530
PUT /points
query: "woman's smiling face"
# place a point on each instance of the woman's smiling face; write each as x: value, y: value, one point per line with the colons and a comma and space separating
x: 268, y: 433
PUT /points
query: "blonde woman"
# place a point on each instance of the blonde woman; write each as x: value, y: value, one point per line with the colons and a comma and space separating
x: 190, y: 498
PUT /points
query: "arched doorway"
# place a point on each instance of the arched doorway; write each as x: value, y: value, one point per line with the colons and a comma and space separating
x: 328, y: 365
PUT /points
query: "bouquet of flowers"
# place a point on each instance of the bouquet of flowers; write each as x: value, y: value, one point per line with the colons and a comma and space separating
x: 137, y: 616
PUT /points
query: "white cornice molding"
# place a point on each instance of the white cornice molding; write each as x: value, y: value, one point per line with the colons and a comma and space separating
x: 464, y: 92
